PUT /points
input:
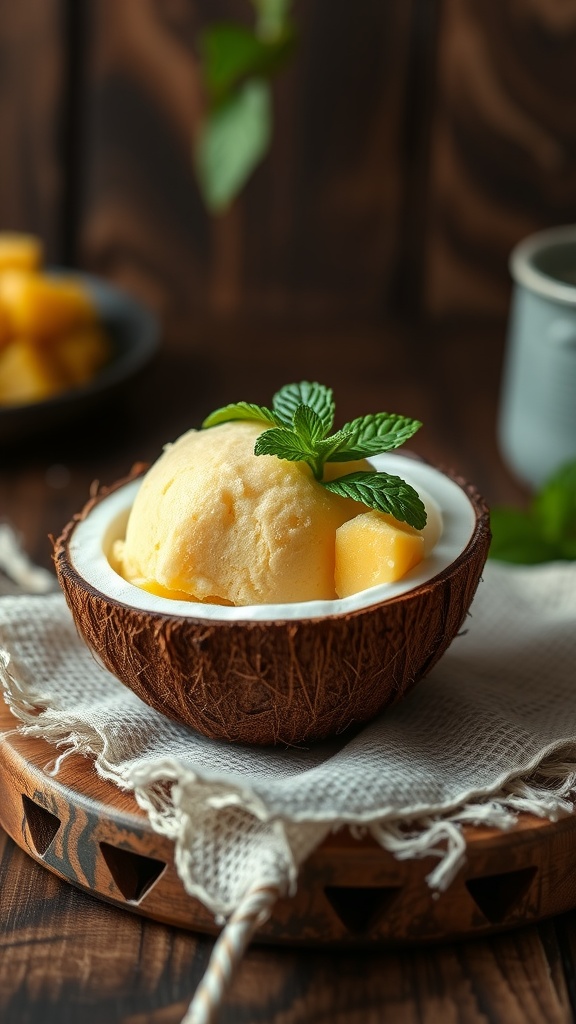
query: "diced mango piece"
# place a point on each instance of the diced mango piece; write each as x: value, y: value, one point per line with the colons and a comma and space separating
x: 4, y: 328
x: 26, y: 375
x: 374, y: 548
x: 19, y: 251
x: 81, y: 354
x: 40, y: 306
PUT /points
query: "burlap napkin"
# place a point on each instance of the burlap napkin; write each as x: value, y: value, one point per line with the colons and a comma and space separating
x: 491, y: 731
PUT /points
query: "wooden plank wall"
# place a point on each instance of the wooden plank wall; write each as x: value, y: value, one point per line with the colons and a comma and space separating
x: 32, y: 69
x: 416, y: 141
x: 503, y: 152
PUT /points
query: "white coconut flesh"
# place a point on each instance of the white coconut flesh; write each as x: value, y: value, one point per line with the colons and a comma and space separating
x: 451, y: 524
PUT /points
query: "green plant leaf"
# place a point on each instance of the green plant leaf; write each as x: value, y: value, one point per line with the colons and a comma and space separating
x: 384, y: 492
x: 233, y: 140
x: 317, y: 396
x: 240, y: 411
x: 272, y: 16
x: 370, y: 435
x: 517, y: 537
x: 554, y: 505
x: 544, y: 532
x: 302, y: 415
x: 231, y: 53
x: 309, y: 426
x: 567, y: 548
x: 282, y: 442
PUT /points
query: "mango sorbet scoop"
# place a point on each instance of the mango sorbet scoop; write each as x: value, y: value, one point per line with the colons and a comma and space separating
x: 213, y: 522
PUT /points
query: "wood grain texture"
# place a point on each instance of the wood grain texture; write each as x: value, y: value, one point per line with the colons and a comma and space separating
x: 316, y: 228
x: 416, y: 142
x: 66, y: 957
x: 31, y: 66
x: 503, y: 145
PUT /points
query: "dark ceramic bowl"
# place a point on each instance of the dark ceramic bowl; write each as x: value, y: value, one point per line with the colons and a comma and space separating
x: 134, y: 334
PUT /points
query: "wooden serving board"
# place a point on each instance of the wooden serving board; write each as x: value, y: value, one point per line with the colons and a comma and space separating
x: 350, y: 891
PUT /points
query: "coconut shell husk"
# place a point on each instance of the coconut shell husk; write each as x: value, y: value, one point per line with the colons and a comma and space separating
x: 277, y: 682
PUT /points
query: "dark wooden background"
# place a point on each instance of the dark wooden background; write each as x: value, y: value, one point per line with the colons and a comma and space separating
x: 416, y: 141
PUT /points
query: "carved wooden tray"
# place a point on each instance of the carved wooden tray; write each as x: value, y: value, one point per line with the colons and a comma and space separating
x: 350, y: 892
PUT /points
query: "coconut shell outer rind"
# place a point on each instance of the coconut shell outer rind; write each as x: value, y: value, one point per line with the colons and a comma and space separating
x: 278, y: 682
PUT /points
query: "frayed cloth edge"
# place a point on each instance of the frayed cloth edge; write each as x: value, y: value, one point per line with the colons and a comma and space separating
x: 543, y: 787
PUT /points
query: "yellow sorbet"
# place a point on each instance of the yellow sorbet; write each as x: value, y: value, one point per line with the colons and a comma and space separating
x: 214, y: 522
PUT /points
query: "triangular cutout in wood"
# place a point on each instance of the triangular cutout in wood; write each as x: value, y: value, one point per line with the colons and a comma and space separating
x: 133, y: 873
x: 498, y: 895
x: 42, y: 824
x: 360, y: 907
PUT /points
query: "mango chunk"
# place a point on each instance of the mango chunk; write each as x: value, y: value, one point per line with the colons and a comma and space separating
x: 26, y: 375
x: 40, y: 306
x: 20, y: 251
x: 374, y: 548
x: 81, y: 354
x: 4, y: 328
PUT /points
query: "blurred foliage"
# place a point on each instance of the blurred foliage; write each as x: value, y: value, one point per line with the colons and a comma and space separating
x: 544, y: 532
x: 237, y: 65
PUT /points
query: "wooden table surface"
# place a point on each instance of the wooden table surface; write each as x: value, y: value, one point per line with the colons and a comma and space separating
x: 66, y: 957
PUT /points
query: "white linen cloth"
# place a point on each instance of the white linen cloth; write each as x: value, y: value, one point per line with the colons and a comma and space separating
x: 464, y: 745
x: 491, y: 731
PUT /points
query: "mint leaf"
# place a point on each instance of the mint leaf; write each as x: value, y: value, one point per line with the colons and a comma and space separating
x: 300, y: 419
x: 384, y: 492
x: 555, y: 505
x: 284, y: 443
x: 369, y: 435
x: 308, y: 425
x: 240, y: 411
x: 272, y: 17
x: 546, y: 531
x: 317, y: 396
x: 231, y: 52
x: 233, y: 140
x: 517, y: 537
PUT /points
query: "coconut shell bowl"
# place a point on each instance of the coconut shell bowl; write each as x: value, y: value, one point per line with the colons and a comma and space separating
x: 276, y: 674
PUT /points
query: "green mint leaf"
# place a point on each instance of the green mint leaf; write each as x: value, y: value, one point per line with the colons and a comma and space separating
x: 334, y: 448
x: 284, y: 443
x: 233, y: 140
x: 546, y: 531
x: 384, y: 492
x: 567, y: 549
x: 317, y: 396
x: 309, y: 426
x: 299, y: 421
x: 555, y: 505
x: 370, y: 435
x: 272, y: 17
x: 231, y: 53
x: 517, y: 537
x: 240, y: 411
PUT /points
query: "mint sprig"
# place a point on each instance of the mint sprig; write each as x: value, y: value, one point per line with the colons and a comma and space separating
x: 300, y: 422
x: 543, y: 532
